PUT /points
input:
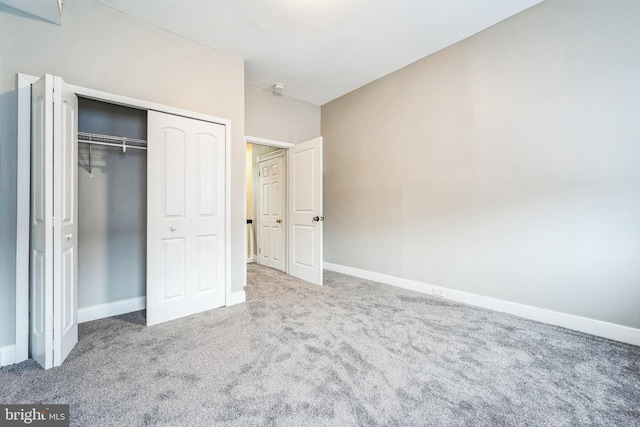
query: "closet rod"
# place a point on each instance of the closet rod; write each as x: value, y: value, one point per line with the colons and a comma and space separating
x: 112, y: 141
x: 110, y: 144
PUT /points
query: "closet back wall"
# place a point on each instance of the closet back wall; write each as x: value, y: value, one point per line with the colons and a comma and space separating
x: 112, y: 207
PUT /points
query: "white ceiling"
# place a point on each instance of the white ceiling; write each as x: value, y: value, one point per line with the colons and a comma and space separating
x: 322, y: 49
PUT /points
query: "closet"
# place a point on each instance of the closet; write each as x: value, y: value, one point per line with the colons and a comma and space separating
x: 112, y: 205
x: 126, y: 204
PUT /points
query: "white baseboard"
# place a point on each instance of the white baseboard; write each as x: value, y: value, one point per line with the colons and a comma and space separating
x: 116, y: 308
x: 598, y: 328
x: 412, y: 285
x: 7, y: 355
x: 236, y: 298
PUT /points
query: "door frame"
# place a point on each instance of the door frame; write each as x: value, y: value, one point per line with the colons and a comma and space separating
x: 271, y: 143
x: 23, y: 83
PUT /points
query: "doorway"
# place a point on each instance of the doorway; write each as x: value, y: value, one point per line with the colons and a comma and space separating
x: 284, y: 206
x: 266, y: 205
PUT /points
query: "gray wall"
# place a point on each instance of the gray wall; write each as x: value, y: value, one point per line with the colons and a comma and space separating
x: 100, y: 48
x: 112, y: 207
x: 276, y: 116
x: 507, y: 165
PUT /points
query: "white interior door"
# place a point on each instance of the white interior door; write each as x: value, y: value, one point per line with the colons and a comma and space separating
x: 305, y: 210
x: 185, y: 216
x: 271, y: 213
x: 53, y: 273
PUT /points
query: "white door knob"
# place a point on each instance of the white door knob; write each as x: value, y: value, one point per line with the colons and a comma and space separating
x: 173, y: 229
x: 69, y: 236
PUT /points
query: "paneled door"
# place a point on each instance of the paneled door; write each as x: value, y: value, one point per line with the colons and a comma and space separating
x: 54, y: 226
x: 185, y: 216
x: 271, y: 213
x: 305, y: 210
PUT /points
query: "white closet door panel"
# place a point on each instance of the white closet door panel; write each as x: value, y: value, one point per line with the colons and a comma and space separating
x: 38, y: 300
x: 65, y: 213
x: 186, y: 217
x: 41, y: 262
x: 305, y: 211
x: 174, y: 172
x: 207, y: 250
x: 67, y: 164
x: 174, y: 261
x: 208, y: 215
x: 68, y: 280
x: 207, y: 180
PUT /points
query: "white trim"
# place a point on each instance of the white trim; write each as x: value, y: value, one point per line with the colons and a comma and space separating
x: 126, y: 101
x: 245, y: 234
x: 271, y: 155
x: 21, y: 351
x: 8, y: 355
x: 412, y: 285
x: 582, y: 324
x: 227, y: 248
x: 110, y: 309
x: 236, y: 298
x: 265, y: 141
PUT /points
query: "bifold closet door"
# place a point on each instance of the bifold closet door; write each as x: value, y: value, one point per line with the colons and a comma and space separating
x: 54, y: 226
x: 185, y: 216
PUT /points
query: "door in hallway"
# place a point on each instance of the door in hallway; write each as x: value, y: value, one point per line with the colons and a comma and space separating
x: 271, y: 216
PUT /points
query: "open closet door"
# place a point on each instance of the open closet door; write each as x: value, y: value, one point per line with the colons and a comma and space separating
x: 185, y: 216
x: 305, y: 211
x: 65, y: 224
x: 53, y: 272
x: 41, y: 233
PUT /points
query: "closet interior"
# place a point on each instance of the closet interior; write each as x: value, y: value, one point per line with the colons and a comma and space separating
x: 112, y: 204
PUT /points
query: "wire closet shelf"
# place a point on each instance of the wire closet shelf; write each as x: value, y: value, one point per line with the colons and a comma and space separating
x: 109, y: 141
x: 112, y: 141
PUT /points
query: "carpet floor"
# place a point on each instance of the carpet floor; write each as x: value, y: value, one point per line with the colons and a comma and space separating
x: 353, y: 352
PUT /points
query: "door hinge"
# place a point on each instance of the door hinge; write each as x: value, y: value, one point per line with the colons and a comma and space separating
x: 53, y: 221
x: 259, y: 250
x: 259, y: 173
